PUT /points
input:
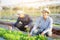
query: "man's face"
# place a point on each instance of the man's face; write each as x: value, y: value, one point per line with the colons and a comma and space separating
x: 45, y: 14
x: 22, y: 15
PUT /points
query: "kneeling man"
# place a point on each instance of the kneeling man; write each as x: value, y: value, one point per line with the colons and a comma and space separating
x: 43, y: 24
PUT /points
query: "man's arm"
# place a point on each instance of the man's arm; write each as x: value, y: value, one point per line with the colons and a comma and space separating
x: 10, y: 27
x: 17, y: 22
x: 29, y: 19
x: 35, y: 26
x: 30, y: 24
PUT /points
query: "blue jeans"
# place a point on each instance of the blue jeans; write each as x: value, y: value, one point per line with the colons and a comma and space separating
x: 39, y: 32
x: 36, y: 32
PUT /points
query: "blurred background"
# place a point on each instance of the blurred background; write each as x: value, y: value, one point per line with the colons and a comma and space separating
x: 8, y: 9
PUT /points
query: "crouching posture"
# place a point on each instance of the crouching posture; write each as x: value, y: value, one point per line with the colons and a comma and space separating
x: 43, y: 24
x: 23, y: 21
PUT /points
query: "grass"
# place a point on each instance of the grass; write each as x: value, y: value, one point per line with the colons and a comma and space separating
x: 56, y: 25
x: 18, y: 35
x: 8, y: 20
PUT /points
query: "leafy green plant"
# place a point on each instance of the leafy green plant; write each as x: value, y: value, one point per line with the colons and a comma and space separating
x: 18, y: 35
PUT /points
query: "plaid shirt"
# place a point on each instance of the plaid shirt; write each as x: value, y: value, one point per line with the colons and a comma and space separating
x: 42, y: 24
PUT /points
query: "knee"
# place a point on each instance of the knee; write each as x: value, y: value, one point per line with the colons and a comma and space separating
x: 50, y: 34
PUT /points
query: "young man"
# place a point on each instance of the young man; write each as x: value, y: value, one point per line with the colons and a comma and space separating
x: 43, y: 24
x: 23, y: 21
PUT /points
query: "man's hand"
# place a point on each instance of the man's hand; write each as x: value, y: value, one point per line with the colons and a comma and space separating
x: 42, y: 33
x: 27, y: 28
x: 10, y: 28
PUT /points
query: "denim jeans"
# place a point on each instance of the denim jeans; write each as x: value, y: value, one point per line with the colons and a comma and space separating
x: 39, y: 32
x: 36, y: 32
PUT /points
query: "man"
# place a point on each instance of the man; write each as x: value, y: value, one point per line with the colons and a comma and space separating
x: 23, y: 21
x: 43, y: 24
